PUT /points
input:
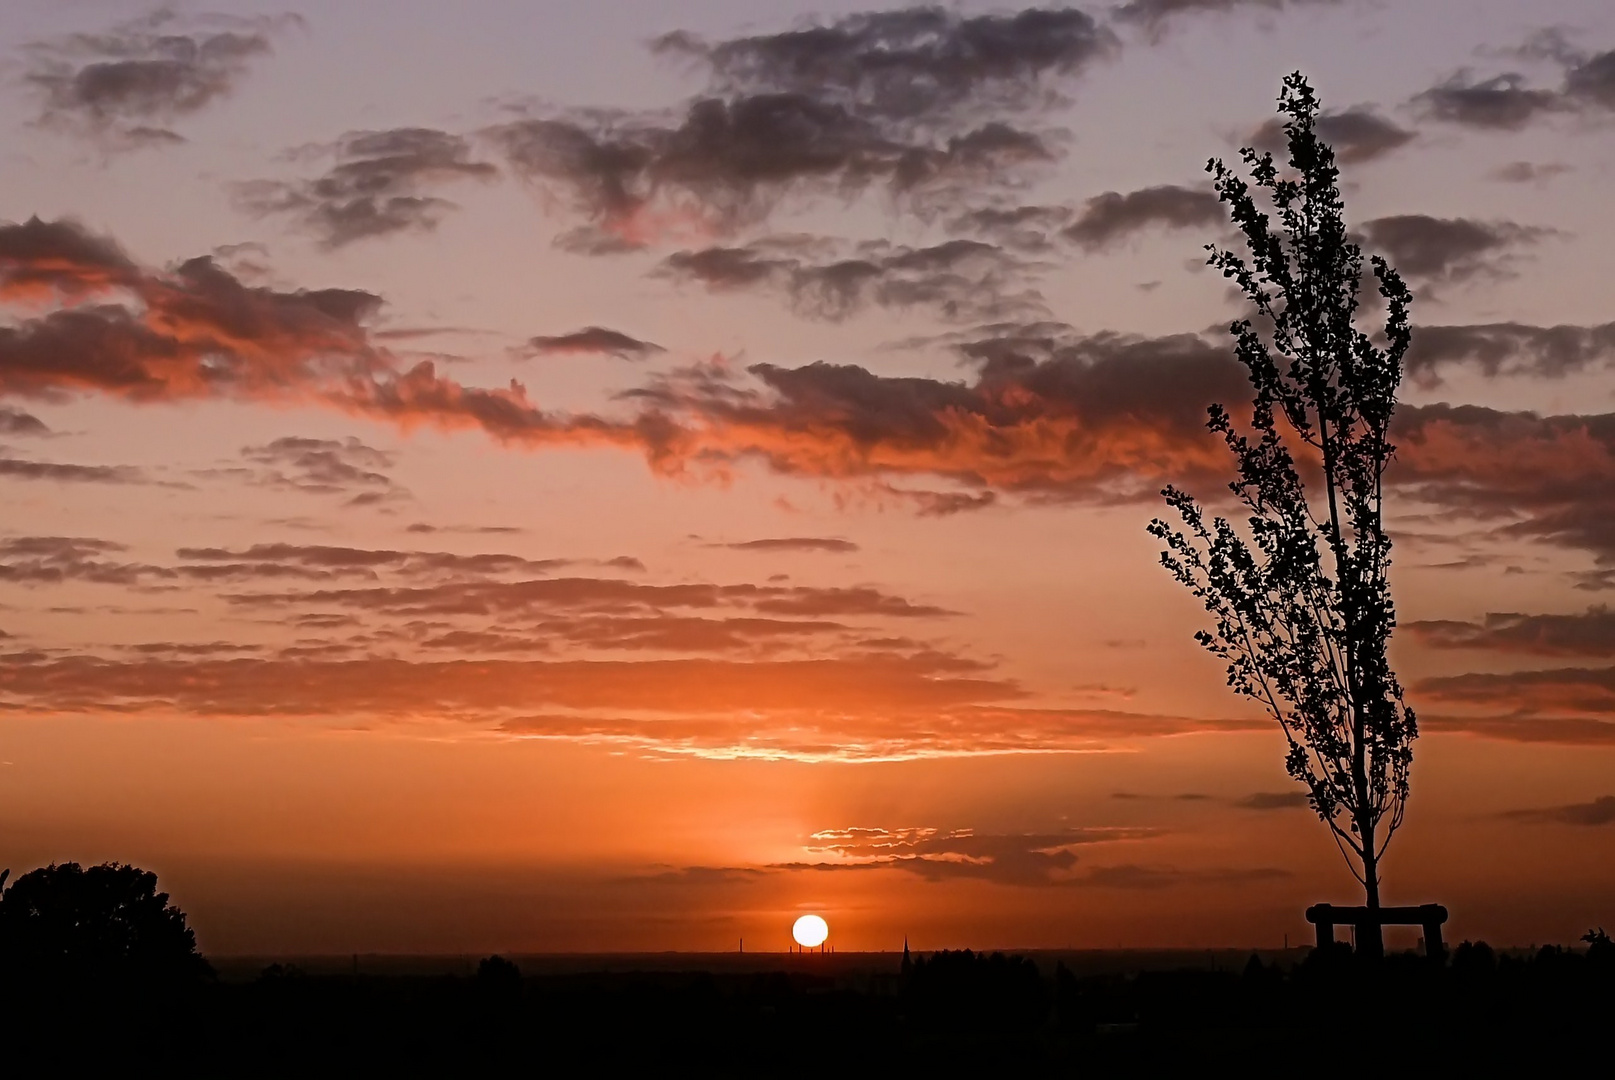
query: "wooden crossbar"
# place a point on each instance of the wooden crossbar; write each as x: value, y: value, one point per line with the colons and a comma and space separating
x: 1429, y: 916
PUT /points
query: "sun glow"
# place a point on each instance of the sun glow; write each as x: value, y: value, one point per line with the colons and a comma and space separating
x: 810, y: 931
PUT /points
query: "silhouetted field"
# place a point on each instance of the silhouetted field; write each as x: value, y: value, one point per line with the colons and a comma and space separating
x: 807, y: 1014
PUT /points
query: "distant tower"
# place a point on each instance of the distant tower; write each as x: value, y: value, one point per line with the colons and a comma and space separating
x: 908, y: 963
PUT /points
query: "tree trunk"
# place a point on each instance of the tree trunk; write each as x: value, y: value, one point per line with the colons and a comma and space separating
x: 1371, y: 934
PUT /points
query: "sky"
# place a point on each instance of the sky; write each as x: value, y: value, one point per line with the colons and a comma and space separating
x: 557, y: 477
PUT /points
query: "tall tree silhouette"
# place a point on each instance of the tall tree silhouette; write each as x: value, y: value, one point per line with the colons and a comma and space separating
x: 1301, y: 600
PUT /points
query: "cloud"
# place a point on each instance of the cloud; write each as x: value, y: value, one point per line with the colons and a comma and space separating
x: 946, y: 854
x: 123, y: 87
x: 1271, y: 800
x: 1359, y: 134
x: 796, y: 543
x: 1527, y: 172
x: 54, y: 560
x: 347, y: 467
x: 1592, y: 80
x: 377, y: 187
x: 22, y: 469
x: 17, y: 422
x: 1502, y: 102
x: 1154, y: 16
x: 1030, y: 228
x: 1549, y: 479
x: 1506, y: 102
x: 1601, y: 811
x: 1584, y: 692
x: 1432, y: 249
x: 917, y: 65
x: 897, y: 100
x: 1113, y: 216
x: 1495, y: 349
x: 1132, y: 876
x: 1588, y: 633
x: 43, y: 261
x: 1043, y: 412
x: 1530, y: 729
x: 325, y: 558
x: 424, y: 527
x: 197, y: 332
x: 530, y: 597
x: 685, y: 634
x: 956, y: 279
x: 730, y: 162
x: 595, y: 340
x: 1047, y: 413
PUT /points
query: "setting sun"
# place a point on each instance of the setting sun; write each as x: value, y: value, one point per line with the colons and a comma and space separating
x: 810, y: 931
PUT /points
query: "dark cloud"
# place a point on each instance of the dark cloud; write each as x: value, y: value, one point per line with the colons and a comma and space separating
x: 1047, y: 412
x: 197, y: 332
x: 898, y: 100
x: 1601, y: 811
x: 687, y: 634
x: 1503, y: 102
x: 324, y: 558
x: 917, y: 65
x: 183, y: 650
x: 1132, y: 876
x: 596, y: 340
x: 1433, y: 249
x: 1549, y: 478
x: 423, y: 527
x: 347, y: 467
x: 730, y: 162
x: 1589, y: 633
x: 940, y: 854
x: 1113, y: 216
x: 1531, y: 729
x: 1272, y: 800
x: 379, y: 185
x: 538, y: 597
x: 17, y: 422
x: 942, y: 503
x: 1155, y: 15
x: 796, y: 543
x: 123, y: 87
x: 1528, y: 172
x: 43, y: 261
x: 54, y: 560
x: 700, y: 876
x: 1357, y: 134
x: 958, y: 279
x: 1585, y: 692
x: 1495, y: 349
x: 21, y: 469
x: 1030, y: 229
x: 1592, y: 80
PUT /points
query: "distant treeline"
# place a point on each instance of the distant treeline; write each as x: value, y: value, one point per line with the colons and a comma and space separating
x: 98, y: 970
x: 949, y: 1009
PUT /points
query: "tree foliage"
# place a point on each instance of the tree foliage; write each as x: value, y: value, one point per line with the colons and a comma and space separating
x: 67, y: 922
x: 1301, y: 599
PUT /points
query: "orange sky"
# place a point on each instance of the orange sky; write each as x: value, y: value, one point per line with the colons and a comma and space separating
x: 662, y: 473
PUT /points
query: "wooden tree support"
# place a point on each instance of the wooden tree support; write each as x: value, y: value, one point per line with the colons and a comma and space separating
x: 1429, y: 916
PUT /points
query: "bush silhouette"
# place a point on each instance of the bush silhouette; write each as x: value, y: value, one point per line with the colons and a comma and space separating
x: 499, y: 977
x: 994, y: 991
x: 65, y: 923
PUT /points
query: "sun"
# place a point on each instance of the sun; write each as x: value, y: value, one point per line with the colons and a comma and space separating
x: 810, y: 931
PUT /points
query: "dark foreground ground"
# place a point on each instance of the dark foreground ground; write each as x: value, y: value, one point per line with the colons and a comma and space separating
x: 771, y: 1014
